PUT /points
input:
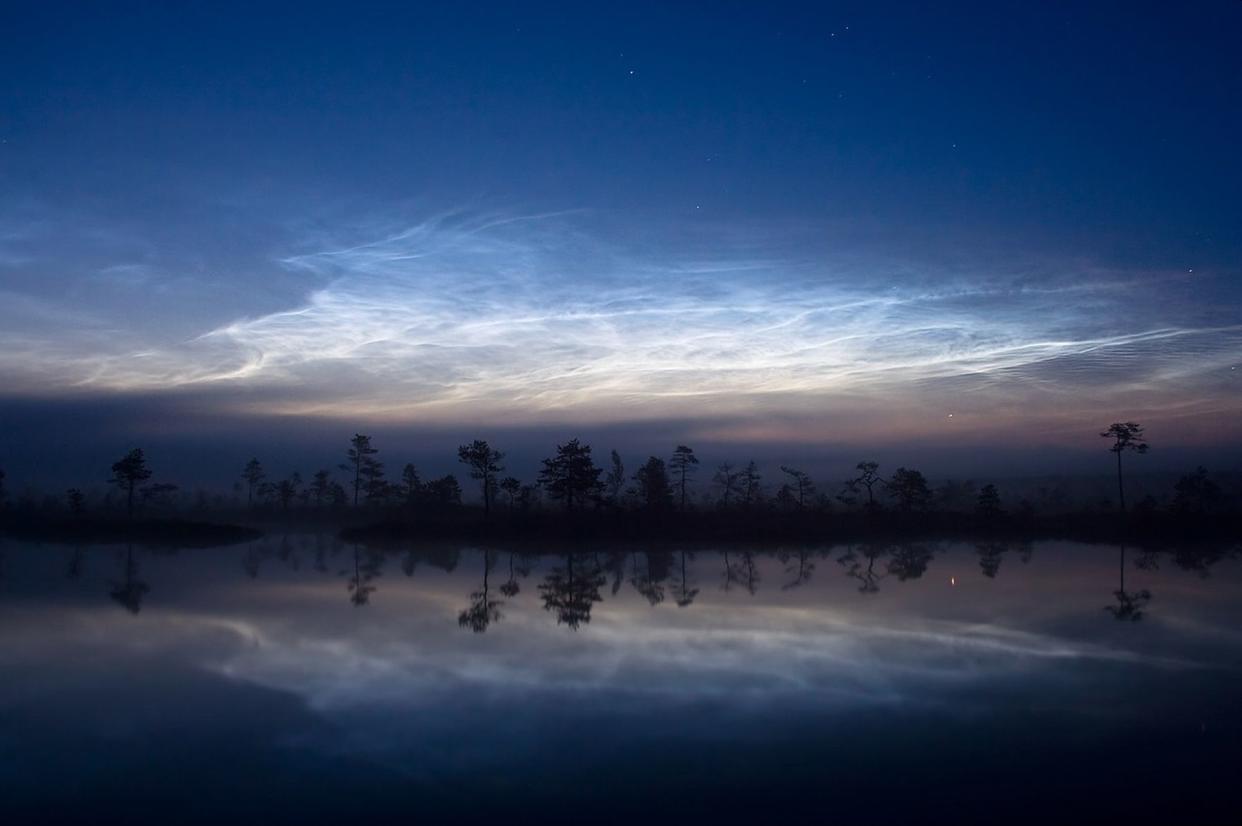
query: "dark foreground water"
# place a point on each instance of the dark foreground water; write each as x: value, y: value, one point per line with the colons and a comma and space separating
x: 301, y: 680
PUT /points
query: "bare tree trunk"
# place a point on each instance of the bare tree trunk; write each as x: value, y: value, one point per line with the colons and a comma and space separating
x: 1121, y: 491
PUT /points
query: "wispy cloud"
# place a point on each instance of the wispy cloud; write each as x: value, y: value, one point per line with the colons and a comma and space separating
x: 497, y: 315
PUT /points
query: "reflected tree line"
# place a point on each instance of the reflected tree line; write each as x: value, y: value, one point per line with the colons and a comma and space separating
x: 573, y: 584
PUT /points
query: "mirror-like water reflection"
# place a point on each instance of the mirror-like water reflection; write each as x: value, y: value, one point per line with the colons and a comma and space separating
x: 299, y: 678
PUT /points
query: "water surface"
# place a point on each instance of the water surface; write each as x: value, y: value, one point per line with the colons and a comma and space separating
x: 299, y: 679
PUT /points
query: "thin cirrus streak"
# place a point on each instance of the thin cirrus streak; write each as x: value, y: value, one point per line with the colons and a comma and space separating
x: 530, y: 316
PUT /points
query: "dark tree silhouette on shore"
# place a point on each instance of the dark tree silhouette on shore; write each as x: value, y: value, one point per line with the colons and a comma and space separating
x: 1195, y: 493
x: 444, y: 491
x: 287, y: 490
x: 76, y: 501
x: 359, y: 460
x: 571, y: 476
x: 252, y: 474
x: 988, y: 503
x: 749, y: 481
x: 159, y: 493
x: 683, y: 465
x: 728, y: 479
x: 801, y: 486
x: 653, y: 489
x: 411, y: 485
x: 374, y: 487
x: 484, y: 464
x: 512, y: 488
x: 127, y: 473
x: 321, y: 487
x: 614, y: 481
x: 909, y: 488
x: 1126, y: 436
x: 868, y: 477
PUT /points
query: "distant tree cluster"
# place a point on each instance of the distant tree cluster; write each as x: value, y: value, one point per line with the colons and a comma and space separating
x: 365, y: 483
x: 571, y: 481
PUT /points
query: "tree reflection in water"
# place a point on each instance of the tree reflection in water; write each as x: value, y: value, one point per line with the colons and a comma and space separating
x: 1130, y: 605
x: 571, y: 590
x: 367, y: 567
x: 733, y: 574
x: 647, y: 578
x: 321, y: 552
x: 616, y: 569
x: 483, y: 610
x: 77, y: 562
x: 511, y: 586
x: 740, y: 570
x: 130, y: 591
x: 990, y: 556
x: 910, y: 561
x: 800, y: 571
x: 867, y: 576
x: 683, y: 592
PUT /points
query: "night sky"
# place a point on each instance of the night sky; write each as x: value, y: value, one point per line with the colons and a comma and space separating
x: 958, y: 233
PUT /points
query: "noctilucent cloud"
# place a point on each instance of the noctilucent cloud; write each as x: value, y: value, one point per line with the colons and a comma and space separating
x: 846, y: 222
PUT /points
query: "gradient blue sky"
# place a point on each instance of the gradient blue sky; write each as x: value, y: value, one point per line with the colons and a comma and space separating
x: 776, y: 224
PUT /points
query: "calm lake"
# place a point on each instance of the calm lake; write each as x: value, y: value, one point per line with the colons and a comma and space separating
x: 300, y: 679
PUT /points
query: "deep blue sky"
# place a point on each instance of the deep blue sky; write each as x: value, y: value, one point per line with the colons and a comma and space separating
x: 828, y: 225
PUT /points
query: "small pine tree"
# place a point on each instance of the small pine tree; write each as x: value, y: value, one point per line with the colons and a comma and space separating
x: 683, y: 464
x: 127, y: 472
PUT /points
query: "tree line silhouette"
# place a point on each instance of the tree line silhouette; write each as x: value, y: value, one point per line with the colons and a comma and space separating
x: 659, y: 492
